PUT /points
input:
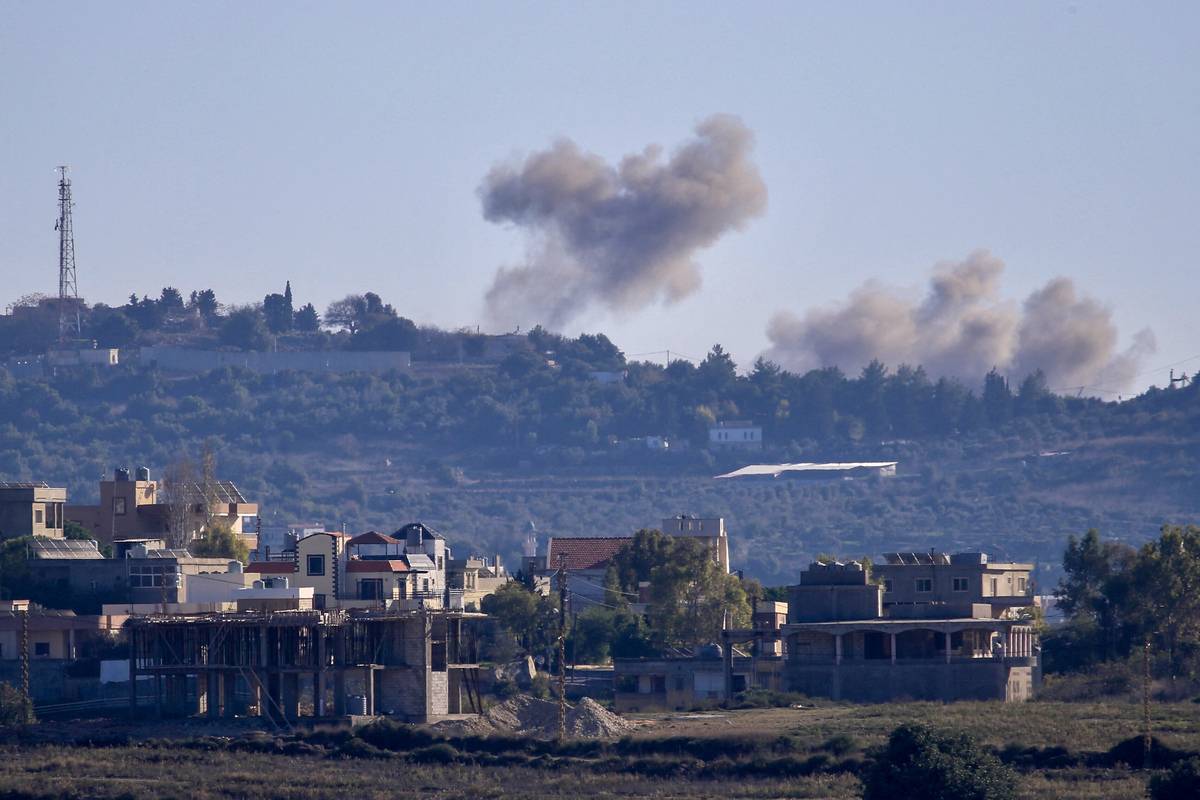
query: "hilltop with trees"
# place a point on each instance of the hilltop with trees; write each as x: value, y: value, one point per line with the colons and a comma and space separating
x: 479, y: 449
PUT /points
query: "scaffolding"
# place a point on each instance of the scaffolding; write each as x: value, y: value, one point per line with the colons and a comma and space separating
x: 416, y: 665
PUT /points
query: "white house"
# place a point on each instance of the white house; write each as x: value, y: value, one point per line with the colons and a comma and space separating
x: 735, y: 436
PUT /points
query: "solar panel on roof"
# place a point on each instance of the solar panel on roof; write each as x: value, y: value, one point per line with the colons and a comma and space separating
x: 66, y: 548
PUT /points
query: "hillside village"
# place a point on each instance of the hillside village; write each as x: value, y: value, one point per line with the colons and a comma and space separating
x: 135, y: 604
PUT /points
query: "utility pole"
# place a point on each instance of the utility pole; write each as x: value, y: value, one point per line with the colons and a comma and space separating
x: 562, y: 647
x: 68, y: 284
x: 25, y: 657
x: 1147, y: 756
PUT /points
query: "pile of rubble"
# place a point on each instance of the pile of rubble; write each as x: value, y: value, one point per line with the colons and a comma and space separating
x: 530, y: 716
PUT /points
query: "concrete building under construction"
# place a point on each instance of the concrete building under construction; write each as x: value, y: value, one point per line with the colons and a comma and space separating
x: 415, y: 665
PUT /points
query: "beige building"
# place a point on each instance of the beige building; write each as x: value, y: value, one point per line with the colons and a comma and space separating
x: 133, y: 507
x: 321, y: 564
x: 31, y: 509
x: 929, y: 636
x: 53, y: 633
x: 473, y: 578
x: 937, y: 584
x: 711, y: 529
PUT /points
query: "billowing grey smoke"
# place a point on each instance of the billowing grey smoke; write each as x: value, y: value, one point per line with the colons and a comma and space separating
x: 620, y: 237
x: 963, y: 328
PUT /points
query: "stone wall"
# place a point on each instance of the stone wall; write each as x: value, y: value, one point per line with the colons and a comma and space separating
x: 884, y: 682
x: 183, y: 359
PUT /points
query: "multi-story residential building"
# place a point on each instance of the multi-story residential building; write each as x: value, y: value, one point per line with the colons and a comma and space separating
x: 406, y: 569
x: 144, y: 575
x: 934, y: 584
x: 473, y: 578
x: 320, y: 563
x: 931, y: 636
x: 133, y: 507
x: 31, y: 509
x: 56, y: 640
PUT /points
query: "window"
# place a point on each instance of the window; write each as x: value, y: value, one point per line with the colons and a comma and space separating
x: 41, y: 649
x: 147, y: 576
x: 924, y: 584
x: 370, y: 589
x: 887, y: 584
x: 38, y: 516
x: 995, y: 587
x: 1022, y: 585
x: 316, y: 565
x: 441, y: 562
x: 960, y: 584
x: 425, y: 584
x: 119, y: 506
x: 318, y: 601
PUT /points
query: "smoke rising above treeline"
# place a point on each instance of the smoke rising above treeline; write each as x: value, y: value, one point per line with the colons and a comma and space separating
x: 962, y: 328
x: 617, y: 237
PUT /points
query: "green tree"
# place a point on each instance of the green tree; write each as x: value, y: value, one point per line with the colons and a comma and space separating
x: 1094, y: 582
x: 115, y: 329
x: 307, y: 319
x: 205, y: 302
x: 529, y: 617
x: 602, y: 633
x: 1166, y: 593
x: 393, y: 333
x: 75, y: 531
x: 219, y: 541
x: 920, y: 762
x: 690, y: 593
x: 997, y: 399
x: 244, y: 330
x: 717, y: 372
x: 277, y: 311
x: 170, y: 299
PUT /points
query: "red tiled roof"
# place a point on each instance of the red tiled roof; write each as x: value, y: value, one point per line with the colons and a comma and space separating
x: 271, y: 567
x: 585, y: 552
x: 373, y: 537
x: 376, y: 565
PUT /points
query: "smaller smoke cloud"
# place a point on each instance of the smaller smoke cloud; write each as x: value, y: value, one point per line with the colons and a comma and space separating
x: 619, y: 237
x: 963, y: 328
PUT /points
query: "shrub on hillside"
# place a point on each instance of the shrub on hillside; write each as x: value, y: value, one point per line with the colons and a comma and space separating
x: 1181, y: 783
x: 15, y: 707
x: 920, y: 762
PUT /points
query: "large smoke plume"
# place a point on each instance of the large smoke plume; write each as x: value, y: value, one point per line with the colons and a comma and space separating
x: 962, y: 328
x: 619, y: 237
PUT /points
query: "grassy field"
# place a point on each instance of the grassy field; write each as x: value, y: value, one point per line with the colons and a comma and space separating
x: 767, y: 753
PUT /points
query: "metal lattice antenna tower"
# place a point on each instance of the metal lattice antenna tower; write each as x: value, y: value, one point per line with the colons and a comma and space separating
x: 68, y: 284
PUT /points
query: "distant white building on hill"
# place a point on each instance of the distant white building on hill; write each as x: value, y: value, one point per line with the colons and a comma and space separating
x: 815, y: 471
x: 735, y: 436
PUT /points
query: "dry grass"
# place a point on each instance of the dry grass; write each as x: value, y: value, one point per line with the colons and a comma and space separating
x: 1078, y: 726
x: 209, y: 769
x: 129, y: 772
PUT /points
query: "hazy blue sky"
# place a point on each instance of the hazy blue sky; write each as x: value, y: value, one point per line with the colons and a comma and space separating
x: 236, y: 145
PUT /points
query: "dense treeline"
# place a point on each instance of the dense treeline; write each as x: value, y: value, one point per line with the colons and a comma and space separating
x: 463, y: 446
x: 1121, y: 600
